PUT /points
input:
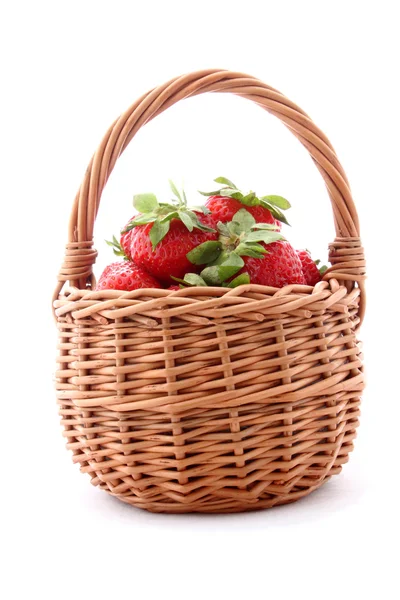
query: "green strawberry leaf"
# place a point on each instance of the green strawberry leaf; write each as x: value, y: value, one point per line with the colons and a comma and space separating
x: 242, y: 279
x: 158, y: 232
x: 167, y: 207
x: 197, y: 223
x: 230, y: 193
x: 266, y: 226
x: 226, y: 272
x: 117, y: 248
x: 175, y: 190
x: 277, y: 201
x: 263, y: 235
x: 278, y: 214
x: 114, y: 243
x: 174, y: 214
x: 204, y: 253
x: 225, y: 181
x: 223, y: 229
x: 322, y: 269
x: 254, y: 250
x: 275, y: 212
x: 192, y: 214
x: 194, y: 279
x: 244, y: 219
x: 234, y: 229
x: 191, y: 279
x: 216, y: 274
x: 145, y: 203
x: 211, y: 276
x: 186, y: 220
x: 140, y: 220
x: 230, y: 266
x: 215, y: 193
x: 177, y: 279
x: 250, y: 200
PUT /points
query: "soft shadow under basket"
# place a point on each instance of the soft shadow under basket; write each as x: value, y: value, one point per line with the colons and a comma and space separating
x: 208, y: 399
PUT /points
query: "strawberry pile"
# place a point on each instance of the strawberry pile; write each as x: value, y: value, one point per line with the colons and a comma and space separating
x: 232, y: 239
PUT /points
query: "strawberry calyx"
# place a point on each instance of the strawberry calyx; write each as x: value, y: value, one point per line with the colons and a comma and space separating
x: 116, y: 247
x: 321, y: 268
x: 223, y: 258
x: 161, y: 214
x: 275, y: 204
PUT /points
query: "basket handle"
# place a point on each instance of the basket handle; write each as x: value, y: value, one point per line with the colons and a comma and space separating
x: 346, y: 253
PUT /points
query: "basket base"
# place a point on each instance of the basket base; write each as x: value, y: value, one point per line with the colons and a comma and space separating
x: 227, y: 504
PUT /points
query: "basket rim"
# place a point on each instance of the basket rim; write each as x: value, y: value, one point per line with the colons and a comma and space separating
x: 200, y: 304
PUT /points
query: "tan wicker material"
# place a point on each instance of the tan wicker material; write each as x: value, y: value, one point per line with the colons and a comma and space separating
x: 203, y: 399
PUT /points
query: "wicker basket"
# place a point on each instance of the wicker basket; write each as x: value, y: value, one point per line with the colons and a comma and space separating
x: 203, y: 399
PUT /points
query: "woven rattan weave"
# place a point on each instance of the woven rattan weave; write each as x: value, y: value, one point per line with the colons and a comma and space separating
x: 203, y: 399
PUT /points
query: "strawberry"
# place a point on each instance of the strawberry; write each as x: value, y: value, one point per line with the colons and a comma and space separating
x: 125, y: 275
x: 164, y: 233
x: 227, y: 201
x: 168, y: 257
x: 279, y: 266
x: 254, y: 252
x: 312, y: 273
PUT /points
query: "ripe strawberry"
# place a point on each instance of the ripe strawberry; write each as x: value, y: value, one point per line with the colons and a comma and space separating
x: 310, y: 269
x: 226, y: 202
x: 280, y: 266
x: 127, y: 276
x: 164, y: 233
x: 168, y: 258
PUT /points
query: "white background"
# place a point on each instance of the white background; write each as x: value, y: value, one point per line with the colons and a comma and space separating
x: 67, y: 70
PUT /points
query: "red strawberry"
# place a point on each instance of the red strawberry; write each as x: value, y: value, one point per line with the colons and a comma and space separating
x: 164, y: 233
x: 168, y: 258
x: 173, y: 287
x: 310, y: 269
x: 226, y: 202
x: 127, y: 276
x: 280, y: 266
